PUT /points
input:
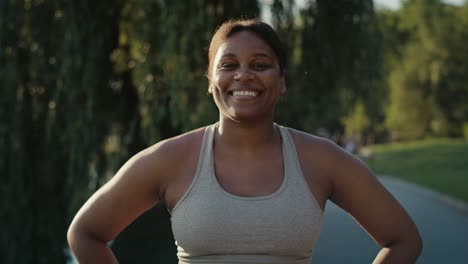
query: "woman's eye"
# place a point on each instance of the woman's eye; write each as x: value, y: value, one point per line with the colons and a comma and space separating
x: 261, y: 66
x: 227, y: 66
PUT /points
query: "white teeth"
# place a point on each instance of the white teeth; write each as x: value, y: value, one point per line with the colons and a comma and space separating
x: 245, y: 93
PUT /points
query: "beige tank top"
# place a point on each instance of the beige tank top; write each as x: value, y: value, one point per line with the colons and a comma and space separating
x: 211, y: 225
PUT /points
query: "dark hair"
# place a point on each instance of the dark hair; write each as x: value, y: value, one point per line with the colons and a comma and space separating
x: 256, y: 26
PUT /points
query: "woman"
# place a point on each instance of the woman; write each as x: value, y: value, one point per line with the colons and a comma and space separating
x: 244, y: 190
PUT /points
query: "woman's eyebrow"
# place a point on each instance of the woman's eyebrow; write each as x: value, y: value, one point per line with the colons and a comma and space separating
x: 258, y: 54
x: 228, y: 55
x: 261, y: 54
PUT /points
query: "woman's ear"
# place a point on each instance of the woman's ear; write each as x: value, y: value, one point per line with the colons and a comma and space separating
x: 283, y: 90
x: 283, y: 87
x: 210, y: 88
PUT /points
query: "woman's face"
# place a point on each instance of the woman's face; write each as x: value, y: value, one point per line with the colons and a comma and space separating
x: 246, y: 80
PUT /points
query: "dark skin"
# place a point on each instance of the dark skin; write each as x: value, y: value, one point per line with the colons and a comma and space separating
x: 246, y: 82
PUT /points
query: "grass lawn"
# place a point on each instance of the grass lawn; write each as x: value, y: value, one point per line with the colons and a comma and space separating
x: 440, y: 164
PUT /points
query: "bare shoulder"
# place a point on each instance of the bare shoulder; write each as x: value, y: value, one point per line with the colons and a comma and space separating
x: 329, y: 164
x: 333, y: 160
x: 175, y: 148
x: 172, y: 164
x: 314, y: 148
x: 166, y: 156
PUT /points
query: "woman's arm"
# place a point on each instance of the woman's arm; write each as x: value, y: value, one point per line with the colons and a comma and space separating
x: 133, y: 190
x: 357, y: 191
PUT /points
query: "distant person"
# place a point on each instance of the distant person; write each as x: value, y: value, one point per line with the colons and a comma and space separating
x: 245, y: 189
x: 350, y: 146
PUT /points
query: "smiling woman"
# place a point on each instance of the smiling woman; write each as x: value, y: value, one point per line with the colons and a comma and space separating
x: 248, y: 190
x: 246, y: 78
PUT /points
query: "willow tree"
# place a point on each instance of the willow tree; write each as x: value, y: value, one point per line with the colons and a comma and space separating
x: 54, y: 68
x: 335, y: 60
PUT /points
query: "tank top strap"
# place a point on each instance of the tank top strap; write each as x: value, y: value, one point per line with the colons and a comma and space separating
x: 292, y: 164
x: 206, y: 151
x: 291, y: 160
x: 205, y: 161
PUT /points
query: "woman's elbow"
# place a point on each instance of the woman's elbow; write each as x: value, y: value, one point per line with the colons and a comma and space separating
x: 73, y: 234
x: 418, y: 245
x: 412, y: 245
x: 77, y: 236
x: 414, y: 241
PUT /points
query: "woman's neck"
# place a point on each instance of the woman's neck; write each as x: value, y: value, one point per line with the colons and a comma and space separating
x: 246, y: 136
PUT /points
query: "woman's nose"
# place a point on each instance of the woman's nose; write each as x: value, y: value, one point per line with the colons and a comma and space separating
x: 243, y: 74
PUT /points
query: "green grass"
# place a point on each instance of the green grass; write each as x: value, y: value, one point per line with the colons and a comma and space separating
x: 440, y: 164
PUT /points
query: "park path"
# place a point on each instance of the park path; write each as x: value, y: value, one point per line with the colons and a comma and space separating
x: 442, y: 222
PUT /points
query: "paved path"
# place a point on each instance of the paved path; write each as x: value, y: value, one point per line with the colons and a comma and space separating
x: 442, y: 223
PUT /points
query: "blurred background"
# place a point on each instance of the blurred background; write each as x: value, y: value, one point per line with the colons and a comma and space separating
x: 87, y: 84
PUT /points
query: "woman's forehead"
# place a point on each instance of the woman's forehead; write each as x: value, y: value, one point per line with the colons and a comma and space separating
x: 244, y: 43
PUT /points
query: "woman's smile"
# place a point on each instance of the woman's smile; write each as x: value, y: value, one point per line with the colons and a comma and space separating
x: 244, y: 93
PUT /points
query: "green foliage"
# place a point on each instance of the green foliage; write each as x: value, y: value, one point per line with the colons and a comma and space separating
x: 335, y: 61
x: 54, y: 75
x: 357, y: 122
x: 426, y: 69
x: 409, y: 112
x: 465, y: 130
